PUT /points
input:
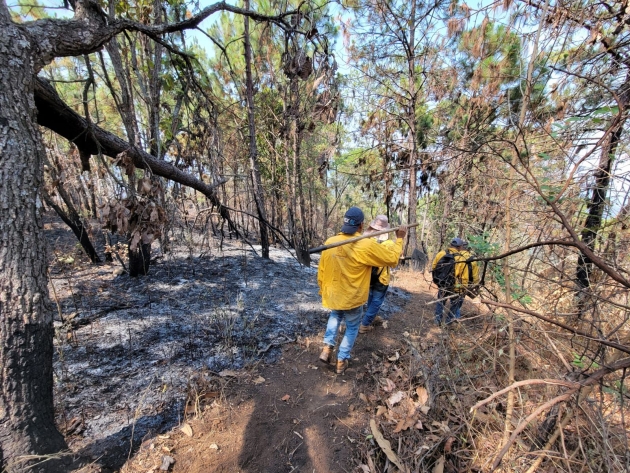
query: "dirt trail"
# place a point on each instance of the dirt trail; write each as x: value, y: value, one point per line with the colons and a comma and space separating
x: 297, y: 415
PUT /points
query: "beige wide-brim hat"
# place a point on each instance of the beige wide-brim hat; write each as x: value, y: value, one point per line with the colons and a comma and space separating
x: 379, y: 223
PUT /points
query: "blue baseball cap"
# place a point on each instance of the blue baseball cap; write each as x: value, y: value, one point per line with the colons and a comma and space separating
x: 352, y: 220
x: 457, y: 242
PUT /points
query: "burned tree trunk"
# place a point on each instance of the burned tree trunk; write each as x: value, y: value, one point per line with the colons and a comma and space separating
x: 27, y: 424
x: 72, y: 219
x: 597, y: 200
x: 139, y: 260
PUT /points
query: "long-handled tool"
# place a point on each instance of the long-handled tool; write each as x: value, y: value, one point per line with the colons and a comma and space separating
x: 304, y: 256
x: 443, y: 299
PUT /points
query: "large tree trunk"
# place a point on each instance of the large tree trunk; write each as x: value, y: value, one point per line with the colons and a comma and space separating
x: 596, y: 205
x: 155, y: 87
x: 139, y: 260
x: 27, y: 424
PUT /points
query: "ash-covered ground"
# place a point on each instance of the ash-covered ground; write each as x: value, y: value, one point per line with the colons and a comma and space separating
x: 127, y: 349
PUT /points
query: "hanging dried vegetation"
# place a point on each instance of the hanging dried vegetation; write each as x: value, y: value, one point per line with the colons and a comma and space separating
x: 298, y: 64
x: 139, y: 215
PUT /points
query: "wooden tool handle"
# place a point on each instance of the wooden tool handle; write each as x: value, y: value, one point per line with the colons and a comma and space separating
x: 318, y: 249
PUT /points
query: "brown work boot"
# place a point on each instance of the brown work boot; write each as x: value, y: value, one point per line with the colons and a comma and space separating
x: 325, y: 354
x: 365, y: 328
x: 378, y: 320
x: 341, y: 366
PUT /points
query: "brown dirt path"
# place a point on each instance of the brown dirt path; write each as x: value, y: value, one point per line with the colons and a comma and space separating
x: 296, y: 415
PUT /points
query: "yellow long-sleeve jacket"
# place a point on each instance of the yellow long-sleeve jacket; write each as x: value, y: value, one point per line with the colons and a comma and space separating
x: 344, y: 272
x: 466, y: 275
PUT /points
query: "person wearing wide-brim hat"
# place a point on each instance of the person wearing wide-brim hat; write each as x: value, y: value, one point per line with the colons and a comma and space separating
x: 343, y: 276
x: 379, y: 282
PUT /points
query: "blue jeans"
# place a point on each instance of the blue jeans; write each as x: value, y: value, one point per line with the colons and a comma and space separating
x: 454, y: 312
x: 353, y: 320
x: 374, y: 303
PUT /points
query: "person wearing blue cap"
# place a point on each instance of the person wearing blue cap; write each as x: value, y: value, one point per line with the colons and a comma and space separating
x: 344, y: 275
x: 454, y: 275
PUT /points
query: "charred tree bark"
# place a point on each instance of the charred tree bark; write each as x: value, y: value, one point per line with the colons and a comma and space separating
x: 72, y: 219
x: 139, y: 260
x: 27, y: 423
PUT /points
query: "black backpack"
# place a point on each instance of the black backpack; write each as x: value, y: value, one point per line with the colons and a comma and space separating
x: 375, y: 276
x: 444, y: 272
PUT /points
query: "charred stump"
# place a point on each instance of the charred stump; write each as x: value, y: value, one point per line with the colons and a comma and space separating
x: 139, y: 260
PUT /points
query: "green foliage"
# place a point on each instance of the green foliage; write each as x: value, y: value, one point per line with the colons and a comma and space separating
x: 481, y: 245
x: 581, y: 362
x: 496, y: 272
x: 521, y: 296
x: 29, y: 10
x: 618, y: 389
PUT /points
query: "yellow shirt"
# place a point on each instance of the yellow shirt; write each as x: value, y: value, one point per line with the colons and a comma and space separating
x: 344, y: 272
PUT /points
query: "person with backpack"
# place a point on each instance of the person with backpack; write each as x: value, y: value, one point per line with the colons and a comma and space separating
x: 455, y: 276
x: 343, y: 276
x: 379, y: 280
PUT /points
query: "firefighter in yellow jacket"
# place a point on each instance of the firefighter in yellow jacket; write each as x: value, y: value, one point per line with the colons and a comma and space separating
x: 454, y: 282
x: 343, y: 276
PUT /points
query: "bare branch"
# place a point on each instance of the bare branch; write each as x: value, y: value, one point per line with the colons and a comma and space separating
x: 91, y: 28
x: 56, y: 115
x: 527, y: 247
x: 527, y: 382
x: 619, y: 347
x: 592, y: 379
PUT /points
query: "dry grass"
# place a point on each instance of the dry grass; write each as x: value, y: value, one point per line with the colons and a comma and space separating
x: 559, y: 427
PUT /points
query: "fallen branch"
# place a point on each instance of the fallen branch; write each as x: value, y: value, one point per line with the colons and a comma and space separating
x: 527, y: 382
x: 522, y: 425
x: 592, y: 379
x: 75, y: 323
x: 443, y: 299
x: 273, y: 344
x: 55, y: 114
